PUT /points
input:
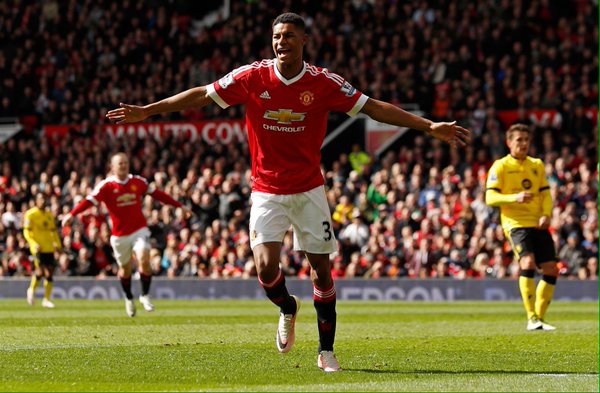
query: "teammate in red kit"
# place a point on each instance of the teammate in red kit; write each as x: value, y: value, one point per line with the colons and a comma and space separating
x: 287, y: 101
x: 122, y: 195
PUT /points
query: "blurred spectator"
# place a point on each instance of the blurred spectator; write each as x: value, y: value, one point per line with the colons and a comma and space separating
x: 517, y: 58
x: 573, y: 255
x: 358, y: 159
x: 355, y: 235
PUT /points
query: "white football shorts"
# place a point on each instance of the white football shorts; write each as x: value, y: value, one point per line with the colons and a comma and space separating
x: 123, y: 246
x: 308, y: 213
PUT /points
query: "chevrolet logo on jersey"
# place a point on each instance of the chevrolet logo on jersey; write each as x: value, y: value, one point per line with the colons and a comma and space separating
x: 284, y: 116
x: 126, y: 198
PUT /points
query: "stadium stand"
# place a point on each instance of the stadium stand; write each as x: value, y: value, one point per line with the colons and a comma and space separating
x: 417, y: 211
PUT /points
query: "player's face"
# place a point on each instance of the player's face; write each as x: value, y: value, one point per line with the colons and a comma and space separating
x: 120, y: 166
x: 40, y: 201
x: 288, y: 43
x: 518, y: 144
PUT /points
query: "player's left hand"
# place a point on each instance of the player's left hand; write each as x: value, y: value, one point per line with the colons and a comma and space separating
x: 187, y: 213
x: 544, y: 222
x: 451, y: 133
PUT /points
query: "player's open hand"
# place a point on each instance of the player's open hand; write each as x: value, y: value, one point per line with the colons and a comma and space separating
x: 127, y: 114
x: 451, y: 133
x: 66, y: 219
x: 187, y: 213
x: 524, y: 197
x: 544, y: 222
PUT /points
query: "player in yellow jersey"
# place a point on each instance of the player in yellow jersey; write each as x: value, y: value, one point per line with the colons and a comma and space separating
x: 39, y: 228
x: 517, y: 184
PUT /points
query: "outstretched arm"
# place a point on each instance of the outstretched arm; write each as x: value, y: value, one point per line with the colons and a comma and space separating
x: 192, y: 98
x: 81, y: 207
x: 387, y: 113
x: 166, y: 198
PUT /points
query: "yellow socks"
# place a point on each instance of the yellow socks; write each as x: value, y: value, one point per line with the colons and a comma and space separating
x: 527, y: 288
x: 47, y: 289
x: 544, y: 293
x: 35, y: 281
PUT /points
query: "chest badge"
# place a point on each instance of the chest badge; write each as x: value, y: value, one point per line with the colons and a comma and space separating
x: 307, y: 97
x: 526, y: 183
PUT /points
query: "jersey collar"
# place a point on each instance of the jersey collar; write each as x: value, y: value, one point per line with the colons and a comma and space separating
x: 283, y: 79
x: 116, y: 179
x: 516, y: 160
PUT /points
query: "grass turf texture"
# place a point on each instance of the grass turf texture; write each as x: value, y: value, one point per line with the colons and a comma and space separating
x: 230, y: 346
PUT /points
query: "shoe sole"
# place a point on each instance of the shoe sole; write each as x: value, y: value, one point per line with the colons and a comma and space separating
x: 292, y: 339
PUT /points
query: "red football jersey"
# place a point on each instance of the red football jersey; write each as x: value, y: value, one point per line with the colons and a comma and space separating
x: 123, y: 199
x: 286, y: 120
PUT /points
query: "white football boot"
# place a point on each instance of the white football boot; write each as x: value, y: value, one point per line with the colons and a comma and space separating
x: 286, y: 332
x: 145, y: 300
x: 129, y: 307
x: 534, y: 323
x: 328, y: 362
x: 30, y: 296
x: 46, y: 303
x: 547, y: 326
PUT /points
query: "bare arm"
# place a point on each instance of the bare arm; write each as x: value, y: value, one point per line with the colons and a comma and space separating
x: 387, y: 113
x: 196, y: 97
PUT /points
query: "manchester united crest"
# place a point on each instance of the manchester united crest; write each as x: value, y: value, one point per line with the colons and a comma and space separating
x: 307, y: 97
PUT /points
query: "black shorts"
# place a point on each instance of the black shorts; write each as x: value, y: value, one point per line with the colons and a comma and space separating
x: 533, y: 241
x: 45, y: 259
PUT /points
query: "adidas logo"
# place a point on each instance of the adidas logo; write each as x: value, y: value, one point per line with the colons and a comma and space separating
x: 265, y: 95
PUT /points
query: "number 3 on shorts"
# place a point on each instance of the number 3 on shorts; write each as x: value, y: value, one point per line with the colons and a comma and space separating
x: 327, y: 230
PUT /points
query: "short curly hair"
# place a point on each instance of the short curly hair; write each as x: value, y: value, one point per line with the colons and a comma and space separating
x: 290, y: 17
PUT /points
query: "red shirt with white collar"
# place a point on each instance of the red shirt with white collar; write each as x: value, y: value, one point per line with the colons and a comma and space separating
x: 123, y: 200
x: 286, y: 120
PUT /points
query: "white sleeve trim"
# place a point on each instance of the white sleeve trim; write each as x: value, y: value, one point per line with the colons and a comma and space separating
x: 358, y: 106
x: 212, y: 93
x: 92, y: 199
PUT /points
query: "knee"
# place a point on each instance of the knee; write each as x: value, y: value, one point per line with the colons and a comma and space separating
x: 266, y: 268
x: 261, y: 261
x: 145, y: 269
x: 550, y: 269
x: 527, y: 262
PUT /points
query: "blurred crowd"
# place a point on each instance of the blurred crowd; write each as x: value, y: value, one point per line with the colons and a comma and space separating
x: 417, y: 211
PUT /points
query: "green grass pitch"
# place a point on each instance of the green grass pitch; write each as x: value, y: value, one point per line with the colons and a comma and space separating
x: 230, y: 346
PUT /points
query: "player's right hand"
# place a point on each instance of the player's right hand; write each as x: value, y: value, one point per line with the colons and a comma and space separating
x: 524, y: 197
x: 127, y: 114
x: 66, y: 220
